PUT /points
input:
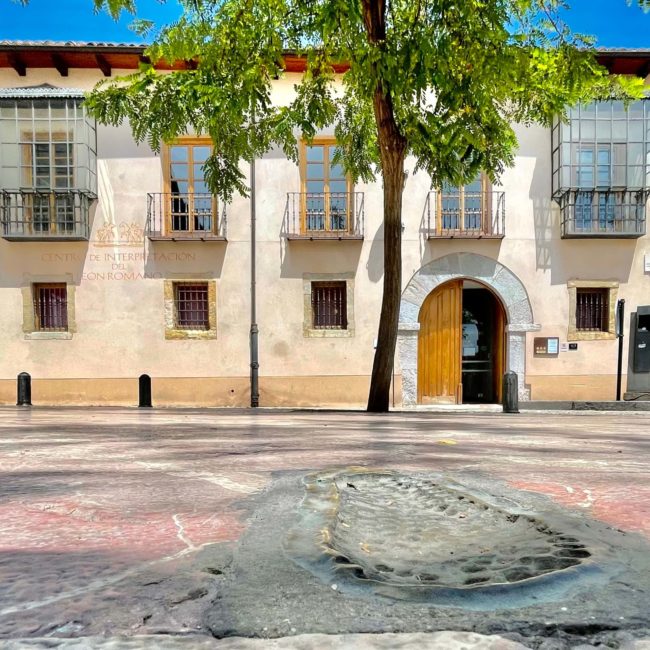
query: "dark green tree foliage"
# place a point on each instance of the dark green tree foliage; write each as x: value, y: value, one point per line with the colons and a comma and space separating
x: 439, y: 80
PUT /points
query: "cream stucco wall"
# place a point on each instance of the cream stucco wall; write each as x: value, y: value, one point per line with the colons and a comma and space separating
x: 119, y: 297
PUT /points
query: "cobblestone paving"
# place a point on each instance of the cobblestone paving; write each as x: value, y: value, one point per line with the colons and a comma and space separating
x: 108, y: 516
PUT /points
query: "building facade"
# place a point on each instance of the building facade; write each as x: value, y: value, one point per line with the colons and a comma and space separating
x: 116, y: 261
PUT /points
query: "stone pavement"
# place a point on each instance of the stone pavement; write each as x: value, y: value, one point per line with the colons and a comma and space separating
x: 110, y: 519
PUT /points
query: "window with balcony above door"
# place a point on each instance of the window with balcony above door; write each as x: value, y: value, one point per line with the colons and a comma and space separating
x: 326, y: 197
x: 463, y: 208
x: 472, y: 210
x: 189, y: 206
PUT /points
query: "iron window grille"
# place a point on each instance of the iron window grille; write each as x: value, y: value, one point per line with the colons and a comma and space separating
x: 191, y: 305
x: 50, y: 307
x: 329, y: 305
x: 592, y: 310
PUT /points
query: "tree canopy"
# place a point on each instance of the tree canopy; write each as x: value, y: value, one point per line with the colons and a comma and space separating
x: 459, y: 74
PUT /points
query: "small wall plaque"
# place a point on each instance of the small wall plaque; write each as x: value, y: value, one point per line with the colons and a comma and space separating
x: 546, y: 346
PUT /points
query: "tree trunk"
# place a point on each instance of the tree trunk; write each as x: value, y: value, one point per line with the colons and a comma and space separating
x: 392, y: 147
x: 382, y: 368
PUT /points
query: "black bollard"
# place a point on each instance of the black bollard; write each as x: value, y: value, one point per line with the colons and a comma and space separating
x: 24, y: 381
x: 510, y: 393
x: 144, y: 384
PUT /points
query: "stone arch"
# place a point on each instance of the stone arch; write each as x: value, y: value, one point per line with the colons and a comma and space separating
x: 495, y: 276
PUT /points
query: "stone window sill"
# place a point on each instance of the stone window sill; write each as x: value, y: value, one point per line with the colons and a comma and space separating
x: 324, y: 333
x: 44, y: 336
x: 197, y: 335
x: 591, y: 336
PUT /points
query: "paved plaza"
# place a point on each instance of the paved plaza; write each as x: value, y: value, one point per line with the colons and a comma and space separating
x: 117, y: 522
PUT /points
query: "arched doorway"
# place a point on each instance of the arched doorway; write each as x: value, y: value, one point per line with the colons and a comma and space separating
x: 491, y: 274
x: 461, y: 345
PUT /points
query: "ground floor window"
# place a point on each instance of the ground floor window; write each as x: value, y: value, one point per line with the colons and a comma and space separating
x: 328, y: 305
x: 592, y: 309
x: 50, y: 307
x: 190, y: 309
x: 191, y: 305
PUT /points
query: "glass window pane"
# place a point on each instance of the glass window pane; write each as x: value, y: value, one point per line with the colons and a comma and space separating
x: 201, y: 153
x: 315, y: 171
x: 198, y: 171
x: 619, y: 176
x: 635, y: 109
x: 620, y: 155
x: 618, y: 110
x: 619, y: 130
x: 336, y: 171
x: 588, y: 110
x: 316, y: 186
x: 587, y: 129
x: 635, y: 131
x: 604, y: 175
x: 315, y: 153
x: 635, y: 154
x: 603, y: 130
x: 179, y: 171
x: 604, y: 110
x: 338, y: 186
x: 179, y: 153
x: 179, y: 187
x: 586, y: 156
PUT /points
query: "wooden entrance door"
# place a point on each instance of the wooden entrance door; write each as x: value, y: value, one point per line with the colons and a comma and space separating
x: 439, y: 346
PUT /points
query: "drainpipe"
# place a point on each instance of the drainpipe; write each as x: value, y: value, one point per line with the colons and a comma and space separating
x: 255, y: 391
x: 620, y: 317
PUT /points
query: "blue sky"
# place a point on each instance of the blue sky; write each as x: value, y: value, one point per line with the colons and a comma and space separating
x: 613, y: 22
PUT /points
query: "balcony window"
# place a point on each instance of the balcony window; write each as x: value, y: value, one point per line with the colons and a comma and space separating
x: 186, y: 209
x: 47, y: 168
x: 327, y: 207
x: 471, y: 210
x: 601, y: 169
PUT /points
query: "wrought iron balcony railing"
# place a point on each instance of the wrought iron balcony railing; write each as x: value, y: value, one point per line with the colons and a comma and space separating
x: 324, y: 215
x: 468, y: 215
x: 45, y: 214
x: 598, y: 214
x: 184, y: 217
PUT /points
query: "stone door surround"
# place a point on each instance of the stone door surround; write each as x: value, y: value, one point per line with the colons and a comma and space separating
x: 467, y: 266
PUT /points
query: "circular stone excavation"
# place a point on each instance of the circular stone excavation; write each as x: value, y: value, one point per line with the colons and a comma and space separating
x: 409, y: 531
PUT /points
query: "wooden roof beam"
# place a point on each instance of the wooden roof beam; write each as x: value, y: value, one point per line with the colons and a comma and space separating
x: 59, y: 63
x: 17, y: 63
x: 644, y: 70
x: 103, y: 65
